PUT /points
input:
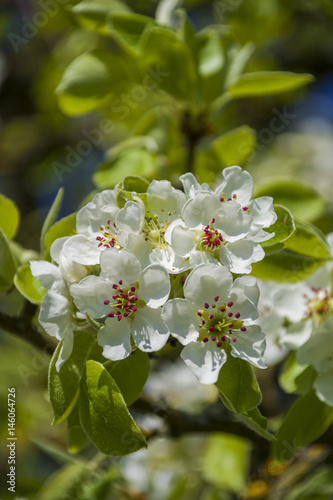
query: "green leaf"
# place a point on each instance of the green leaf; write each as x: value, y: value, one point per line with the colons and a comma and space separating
x: 64, y: 483
x: 211, y: 56
x: 296, y: 378
x: 307, y: 419
x: 93, y: 79
x: 28, y: 285
x: 226, y: 461
x: 235, y: 147
x: 238, y: 385
x: 284, y: 227
x: 64, y: 385
x: 104, y: 415
x: 77, y: 438
x: 255, y: 421
x: 267, y: 83
x: 9, y: 217
x: 7, y: 263
x: 135, y: 183
x: 129, y: 27
x: 165, y: 11
x: 286, y: 267
x: 309, y: 240
x: 130, y: 375
x: 238, y: 63
x: 171, y: 59
x: 50, y: 218
x: 302, y: 199
x: 135, y: 162
x: 64, y: 227
x: 93, y: 14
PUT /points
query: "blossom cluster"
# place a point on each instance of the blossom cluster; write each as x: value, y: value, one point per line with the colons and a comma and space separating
x: 159, y: 265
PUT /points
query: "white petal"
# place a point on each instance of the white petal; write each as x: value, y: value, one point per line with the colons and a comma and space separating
x: 199, y: 211
x: 258, y: 235
x: 115, y: 339
x: 163, y: 199
x: 49, y: 275
x: 262, y: 212
x: 183, y: 240
x: 318, y: 350
x: 97, y: 213
x: 197, y: 257
x: 289, y: 301
x: 167, y: 258
x: 236, y: 181
x: 206, y: 282
x: 170, y: 228
x: 297, y: 334
x: 130, y: 219
x: 232, y: 221
x: 181, y: 318
x: 149, y: 332
x: 324, y: 388
x: 249, y: 286
x: 239, y: 255
x: 139, y: 247
x: 82, y: 249
x: 205, y: 360
x: 72, y: 271
x: 56, y: 248
x: 89, y: 296
x: 55, y: 315
x: 66, y: 349
x: 154, y: 285
x: 191, y: 185
x: 242, y: 305
x: 250, y: 346
x: 120, y: 265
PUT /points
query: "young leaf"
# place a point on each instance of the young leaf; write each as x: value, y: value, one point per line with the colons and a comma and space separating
x: 135, y: 183
x: 171, y: 61
x: 64, y: 227
x: 238, y: 385
x: 77, y: 438
x: 50, y: 218
x: 300, y: 198
x: 93, y: 14
x: 130, y: 375
x: 64, y: 483
x: 129, y: 27
x: 284, y: 227
x: 286, y: 267
x: 28, y: 285
x: 267, y: 83
x: 9, y: 217
x: 64, y: 385
x: 104, y: 416
x: 7, y: 263
x: 235, y: 147
x: 307, y: 419
x: 255, y: 421
x: 309, y: 240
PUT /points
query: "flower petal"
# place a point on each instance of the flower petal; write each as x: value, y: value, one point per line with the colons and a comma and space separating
x: 181, y: 318
x: 243, y: 305
x: 55, y: 315
x: 262, y: 212
x: 191, y: 185
x: 249, y: 286
x: 115, y: 339
x: 165, y: 201
x: 205, y: 360
x: 120, y: 265
x: 66, y: 349
x: 89, y: 295
x: 154, y: 285
x: 236, y: 181
x: 318, y: 350
x: 197, y: 257
x: 199, y: 211
x: 250, y: 346
x: 206, y: 282
x: 323, y: 387
x: 82, y: 249
x: 97, y: 213
x: 49, y: 275
x: 167, y: 258
x: 239, y: 255
x: 139, y: 247
x: 183, y: 240
x: 149, y: 332
x: 130, y: 219
x: 297, y: 334
x: 234, y: 222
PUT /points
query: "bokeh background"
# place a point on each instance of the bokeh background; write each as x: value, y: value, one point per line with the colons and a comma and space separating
x: 35, y: 135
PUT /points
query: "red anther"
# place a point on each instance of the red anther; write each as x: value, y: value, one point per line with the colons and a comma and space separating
x: 216, y: 298
x: 135, y: 297
x: 234, y: 196
x: 229, y: 199
x: 231, y: 325
x: 118, y: 313
x: 132, y: 288
x: 199, y: 313
x: 206, y: 305
x: 115, y: 287
x: 99, y: 238
x: 106, y: 302
x: 211, y: 316
x: 213, y: 220
x: 205, y: 339
x: 125, y: 315
x: 134, y: 309
x: 245, y: 208
x: 109, y: 222
x: 234, y: 340
x: 119, y: 318
x: 111, y: 315
x: 211, y: 329
x: 230, y: 332
x: 120, y: 282
x: 120, y: 290
x: 230, y: 304
x: 222, y: 199
x: 237, y: 315
x: 100, y: 244
x: 224, y: 338
x: 218, y: 344
x: 213, y: 339
x: 105, y: 245
x: 223, y: 309
x: 230, y: 315
x: 243, y: 329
